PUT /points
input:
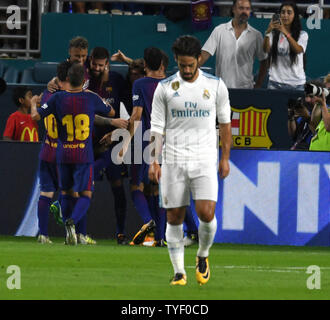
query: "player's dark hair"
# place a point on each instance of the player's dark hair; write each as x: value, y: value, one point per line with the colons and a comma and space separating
x: 153, y: 58
x: 187, y: 46
x: 78, y: 42
x: 295, y: 33
x: 19, y: 92
x: 62, y: 70
x: 164, y: 59
x: 76, y: 75
x: 100, y: 53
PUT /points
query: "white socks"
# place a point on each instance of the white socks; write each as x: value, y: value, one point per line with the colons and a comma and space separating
x: 206, y: 233
x: 174, y: 238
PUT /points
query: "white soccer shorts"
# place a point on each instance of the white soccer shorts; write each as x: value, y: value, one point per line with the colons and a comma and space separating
x: 179, y: 180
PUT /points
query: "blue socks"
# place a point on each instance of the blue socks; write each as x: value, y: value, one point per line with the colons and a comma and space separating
x: 43, y: 214
x: 141, y: 205
x: 80, y: 209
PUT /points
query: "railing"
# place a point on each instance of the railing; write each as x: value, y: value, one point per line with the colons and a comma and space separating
x: 27, y: 50
x: 59, y: 3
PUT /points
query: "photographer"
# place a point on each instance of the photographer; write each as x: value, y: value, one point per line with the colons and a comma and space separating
x: 320, y: 117
x: 299, y: 128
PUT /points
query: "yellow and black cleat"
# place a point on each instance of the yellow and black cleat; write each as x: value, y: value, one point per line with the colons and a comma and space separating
x: 202, y: 270
x: 179, y: 280
x: 146, y: 229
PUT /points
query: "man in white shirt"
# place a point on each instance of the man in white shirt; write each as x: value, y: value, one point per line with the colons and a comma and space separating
x: 184, y: 110
x: 237, y: 45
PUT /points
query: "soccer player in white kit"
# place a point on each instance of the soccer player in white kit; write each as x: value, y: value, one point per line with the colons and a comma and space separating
x: 183, y: 129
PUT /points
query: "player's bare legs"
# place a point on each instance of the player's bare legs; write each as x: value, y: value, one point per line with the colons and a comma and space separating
x: 206, y: 231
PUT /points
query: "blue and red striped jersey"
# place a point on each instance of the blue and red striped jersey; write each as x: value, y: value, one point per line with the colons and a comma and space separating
x: 74, y: 113
x: 48, y: 148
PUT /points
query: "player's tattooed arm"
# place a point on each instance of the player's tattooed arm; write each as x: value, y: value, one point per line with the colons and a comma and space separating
x: 103, y: 121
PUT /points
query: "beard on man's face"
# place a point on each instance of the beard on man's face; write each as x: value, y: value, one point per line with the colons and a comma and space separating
x: 243, y: 18
x: 96, y: 74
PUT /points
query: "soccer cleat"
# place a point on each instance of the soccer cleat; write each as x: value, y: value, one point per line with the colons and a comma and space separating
x: 81, y: 239
x: 122, y: 239
x: 159, y: 243
x: 202, y: 270
x: 179, y: 280
x: 55, y: 210
x: 190, y: 239
x: 44, y: 239
x: 71, y: 237
x: 146, y: 228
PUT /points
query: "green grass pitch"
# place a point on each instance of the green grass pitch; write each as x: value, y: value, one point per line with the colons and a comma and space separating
x: 109, y: 271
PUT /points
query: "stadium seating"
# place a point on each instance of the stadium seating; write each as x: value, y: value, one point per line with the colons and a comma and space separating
x: 43, y: 72
x: 120, y: 68
x: 11, y: 75
x: 27, y: 76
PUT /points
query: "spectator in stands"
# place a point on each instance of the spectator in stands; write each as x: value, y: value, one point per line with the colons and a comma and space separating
x: 95, y: 7
x: 321, y: 117
x: 20, y: 126
x: 286, y: 44
x: 236, y: 45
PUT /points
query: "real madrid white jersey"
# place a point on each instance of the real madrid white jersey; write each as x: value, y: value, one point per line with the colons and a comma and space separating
x: 186, y: 112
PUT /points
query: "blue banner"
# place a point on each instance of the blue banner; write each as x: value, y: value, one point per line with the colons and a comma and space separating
x: 275, y: 198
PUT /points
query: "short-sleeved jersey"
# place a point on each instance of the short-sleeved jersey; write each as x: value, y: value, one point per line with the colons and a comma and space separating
x: 143, y: 93
x: 185, y: 112
x: 74, y: 113
x: 21, y: 127
x: 48, y: 148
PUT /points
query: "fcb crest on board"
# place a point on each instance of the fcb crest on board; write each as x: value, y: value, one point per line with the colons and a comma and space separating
x: 175, y: 85
x: 249, y: 128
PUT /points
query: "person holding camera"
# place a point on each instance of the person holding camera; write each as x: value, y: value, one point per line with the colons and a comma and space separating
x: 320, y: 117
x: 286, y: 43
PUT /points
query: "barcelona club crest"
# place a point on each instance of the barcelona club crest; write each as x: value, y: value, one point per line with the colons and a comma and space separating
x: 175, y: 85
x: 249, y: 128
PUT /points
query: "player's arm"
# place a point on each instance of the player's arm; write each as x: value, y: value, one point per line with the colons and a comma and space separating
x: 223, y: 115
x: 35, y: 115
x: 119, y: 56
x: 158, y: 124
x: 225, y: 138
x: 104, y: 121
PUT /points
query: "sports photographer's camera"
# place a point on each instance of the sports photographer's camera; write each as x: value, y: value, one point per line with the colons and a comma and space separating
x: 299, y: 116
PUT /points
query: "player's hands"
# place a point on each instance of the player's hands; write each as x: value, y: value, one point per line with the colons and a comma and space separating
x: 119, y: 56
x: 154, y: 172
x: 120, y: 123
x: 224, y: 168
x: 106, y: 139
x: 35, y: 100
x: 52, y: 85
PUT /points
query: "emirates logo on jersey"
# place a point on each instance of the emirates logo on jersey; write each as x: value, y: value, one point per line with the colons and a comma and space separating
x: 175, y: 85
